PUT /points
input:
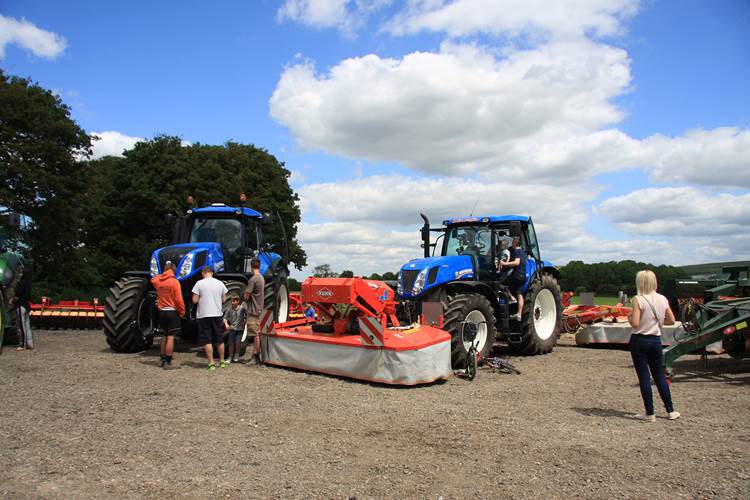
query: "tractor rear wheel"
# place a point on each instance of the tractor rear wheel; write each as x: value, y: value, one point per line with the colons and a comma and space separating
x: 128, y: 318
x: 473, y: 308
x: 542, y: 313
x: 276, y: 298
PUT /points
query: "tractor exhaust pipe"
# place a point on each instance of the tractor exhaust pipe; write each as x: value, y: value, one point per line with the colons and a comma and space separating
x: 425, y: 231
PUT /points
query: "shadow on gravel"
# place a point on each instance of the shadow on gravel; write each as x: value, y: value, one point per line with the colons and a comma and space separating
x: 355, y: 381
x: 604, y: 412
x: 729, y: 371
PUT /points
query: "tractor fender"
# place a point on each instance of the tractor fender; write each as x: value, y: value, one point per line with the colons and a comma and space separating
x: 231, y: 277
x: 138, y: 274
x: 551, y: 270
x: 479, y: 287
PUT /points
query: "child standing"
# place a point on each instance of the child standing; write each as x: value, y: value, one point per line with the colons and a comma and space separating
x: 234, y: 322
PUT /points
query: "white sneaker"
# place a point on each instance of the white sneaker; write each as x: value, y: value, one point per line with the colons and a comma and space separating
x: 236, y: 360
x: 647, y: 418
x: 673, y: 415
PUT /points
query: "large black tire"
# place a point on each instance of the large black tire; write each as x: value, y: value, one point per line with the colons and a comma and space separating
x: 128, y: 322
x: 276, y: 297
x: 468, y: 307
x: 542, y: 313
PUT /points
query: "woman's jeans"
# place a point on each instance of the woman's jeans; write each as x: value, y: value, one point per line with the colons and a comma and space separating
x: 647, y: 355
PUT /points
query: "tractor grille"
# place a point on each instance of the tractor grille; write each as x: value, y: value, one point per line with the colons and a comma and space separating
x: 408, y: 277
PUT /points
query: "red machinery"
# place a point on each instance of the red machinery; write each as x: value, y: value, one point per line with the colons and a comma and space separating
x: 356, y: 335
x: 296, y: 306
x: 75, y: 314
x: 576, y: 316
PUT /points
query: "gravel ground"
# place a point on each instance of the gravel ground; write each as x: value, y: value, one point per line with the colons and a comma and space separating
x: 79, y: 421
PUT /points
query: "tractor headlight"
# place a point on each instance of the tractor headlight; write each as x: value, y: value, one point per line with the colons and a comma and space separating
x: 187, y: 266
x: 419, y: 282
x: 154, y: 266
x: 399, y: 284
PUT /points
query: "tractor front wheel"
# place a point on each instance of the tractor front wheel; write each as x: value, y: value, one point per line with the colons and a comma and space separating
x: 541, y: 318
x: 128, y: 317
x: 468, y: 308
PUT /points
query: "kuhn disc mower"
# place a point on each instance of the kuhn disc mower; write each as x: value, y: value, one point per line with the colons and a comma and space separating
x: 357, y: 335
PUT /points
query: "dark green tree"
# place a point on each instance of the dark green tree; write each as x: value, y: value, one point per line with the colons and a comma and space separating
x: 40, y: 146
x: 324, y: 271
x: 346, y: 274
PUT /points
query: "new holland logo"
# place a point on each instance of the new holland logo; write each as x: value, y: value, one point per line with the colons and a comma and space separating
x: 372, y: 285
x: 324, y: 293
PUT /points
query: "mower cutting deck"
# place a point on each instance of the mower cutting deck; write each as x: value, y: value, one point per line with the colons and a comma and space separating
x: 357, y: 336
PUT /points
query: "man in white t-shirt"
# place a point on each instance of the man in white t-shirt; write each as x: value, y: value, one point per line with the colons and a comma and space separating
x: 210, y: 293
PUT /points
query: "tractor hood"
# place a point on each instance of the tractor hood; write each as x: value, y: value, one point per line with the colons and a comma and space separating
x: 420, y: 275
x: 188, y: 257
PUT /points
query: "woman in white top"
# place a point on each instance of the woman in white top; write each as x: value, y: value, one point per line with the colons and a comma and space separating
x: 650, y: 312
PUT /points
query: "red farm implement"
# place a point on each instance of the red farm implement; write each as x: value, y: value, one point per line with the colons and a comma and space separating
x: 356, y: 335
x: 73, y: 314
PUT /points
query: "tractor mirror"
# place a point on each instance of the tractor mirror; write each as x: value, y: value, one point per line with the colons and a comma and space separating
x: 269, y: 218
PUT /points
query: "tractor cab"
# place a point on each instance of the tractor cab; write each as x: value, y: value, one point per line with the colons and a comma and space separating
x: 224, y: 237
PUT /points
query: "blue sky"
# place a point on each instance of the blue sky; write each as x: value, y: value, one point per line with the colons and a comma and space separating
x: 622, y: 127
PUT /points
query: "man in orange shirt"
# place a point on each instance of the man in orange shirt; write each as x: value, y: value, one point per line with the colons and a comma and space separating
x: 171, y: 309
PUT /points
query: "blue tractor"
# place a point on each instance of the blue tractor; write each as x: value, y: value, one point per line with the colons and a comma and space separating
x: 465, y: 281
x: 226, y: 238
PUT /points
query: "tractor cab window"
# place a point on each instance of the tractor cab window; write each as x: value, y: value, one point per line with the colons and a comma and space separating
x: 533, y: 246
x: 473, y: 241
x: 228, y: 232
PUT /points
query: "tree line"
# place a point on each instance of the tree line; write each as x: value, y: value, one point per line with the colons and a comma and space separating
x: 608, y: 278
x: 88, y: 221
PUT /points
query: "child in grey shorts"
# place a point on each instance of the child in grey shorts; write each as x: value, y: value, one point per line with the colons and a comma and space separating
x: 234, y: 323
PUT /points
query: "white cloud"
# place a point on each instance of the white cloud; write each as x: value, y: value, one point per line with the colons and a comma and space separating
x: 719, y: 157
x: 25, y: 34
x: 297, y: 177
x: 679, y: 212
x: 344, y: 15
x: 112, y: 143
x: 364, y: 248
x: 560, y: 18
x: 460, y: 110
x: 396, y: 200
x: 545, y: 113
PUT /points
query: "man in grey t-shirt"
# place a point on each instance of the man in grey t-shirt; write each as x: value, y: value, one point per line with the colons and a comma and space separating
x: 254, y: 298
